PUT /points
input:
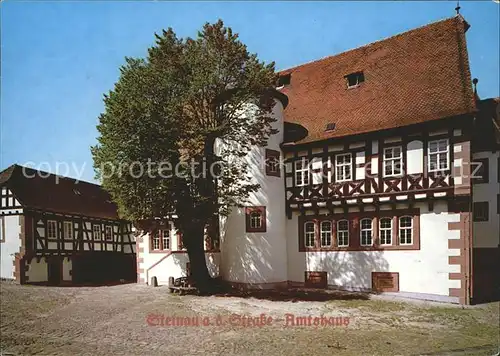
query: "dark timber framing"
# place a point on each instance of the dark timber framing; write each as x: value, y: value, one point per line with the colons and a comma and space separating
x: 375, y: 186
x: 83, y: 239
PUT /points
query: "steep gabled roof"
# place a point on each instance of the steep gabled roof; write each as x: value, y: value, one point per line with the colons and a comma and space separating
x: 41, y: 190
x: 414, y: 77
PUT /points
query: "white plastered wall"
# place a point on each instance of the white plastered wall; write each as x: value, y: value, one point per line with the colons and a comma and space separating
x: 163, y: 265
x: 420, y: 271
x: 37, y: 271
x: 258, y: 257
x: 67, y: 266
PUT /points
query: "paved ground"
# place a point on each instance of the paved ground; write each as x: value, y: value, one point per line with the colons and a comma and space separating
x: 126, y: 320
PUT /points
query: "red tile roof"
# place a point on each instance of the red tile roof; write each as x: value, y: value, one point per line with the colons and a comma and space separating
x: 413, y: 77
x: 41, y: 190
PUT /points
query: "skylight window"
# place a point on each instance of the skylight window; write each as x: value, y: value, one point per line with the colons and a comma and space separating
x: 355, y: 79
x: 284, y: 80
x: 330, y: 126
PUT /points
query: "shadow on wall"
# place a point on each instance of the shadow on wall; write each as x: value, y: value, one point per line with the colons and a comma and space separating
x: 181, y: 265
x: 246, y: 257
x: 177, y: 265
x: 181, y: 261
x: 273, y: 256
x: 346, y: 270
x: 255, y: 259
x: 249, y: 257
x: 353, y: 270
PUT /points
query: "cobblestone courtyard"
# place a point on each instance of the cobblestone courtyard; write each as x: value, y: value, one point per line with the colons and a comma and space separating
x: 127, y: 320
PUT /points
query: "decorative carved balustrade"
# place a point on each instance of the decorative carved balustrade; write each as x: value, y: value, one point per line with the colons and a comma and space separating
x: 375, y: 187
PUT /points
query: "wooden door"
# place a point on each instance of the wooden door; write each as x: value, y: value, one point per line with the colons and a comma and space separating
x: 385, y: 281
x: 54, y: 266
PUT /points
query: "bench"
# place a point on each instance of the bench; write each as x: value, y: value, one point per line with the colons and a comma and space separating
x: 181, y: 285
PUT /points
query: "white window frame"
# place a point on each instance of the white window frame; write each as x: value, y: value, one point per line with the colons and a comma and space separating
x: 394, y: 161
x: 256, y: 219
x: 156, y: 241
x: 165, y: 238
x: 307, y: 234
x: 342, y: 167
x: 273, y: 164
x: 2, y: 229
x: 106, y: 229
x: 96, y: 229
x: 326, y: 234
x: 344, y: 233
x: 68, y: 230
x: 361, y: 230
x: 49, y: 230
x: 303, y: 172
x: 384, y: 230
x: 438, y: 153
x: 406, y: 228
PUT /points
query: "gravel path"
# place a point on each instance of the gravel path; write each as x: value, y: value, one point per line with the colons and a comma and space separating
x: 126, y: 320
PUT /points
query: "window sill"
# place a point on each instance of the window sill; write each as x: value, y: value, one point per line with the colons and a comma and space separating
x: 185, y: 251
x: 179, y: 251
x: 362, y: 248
x: 353, y: 86
x: 256, y: 230
x: 343, y: 181
x: 160, y: 251
x: 443, y: 171
x: 393, y: 176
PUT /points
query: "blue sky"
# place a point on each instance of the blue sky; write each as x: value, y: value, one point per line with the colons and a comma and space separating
x: 58, y: 58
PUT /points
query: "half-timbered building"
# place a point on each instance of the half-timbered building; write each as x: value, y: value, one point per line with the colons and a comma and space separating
x: 381, y: 150
x: 57, y: 230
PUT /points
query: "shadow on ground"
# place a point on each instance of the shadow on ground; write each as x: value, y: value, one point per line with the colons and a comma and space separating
x: 296, y: 295
x: 220, y: 288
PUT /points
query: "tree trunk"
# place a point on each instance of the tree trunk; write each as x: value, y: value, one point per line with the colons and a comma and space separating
x: 194, y: 238
x: 194, y: 214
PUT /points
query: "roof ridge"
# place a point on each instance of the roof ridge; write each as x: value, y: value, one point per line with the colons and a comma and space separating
x: 15, y: 166
x: 37, y: 189
x: 493, y: 98
x: 372, y: 43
